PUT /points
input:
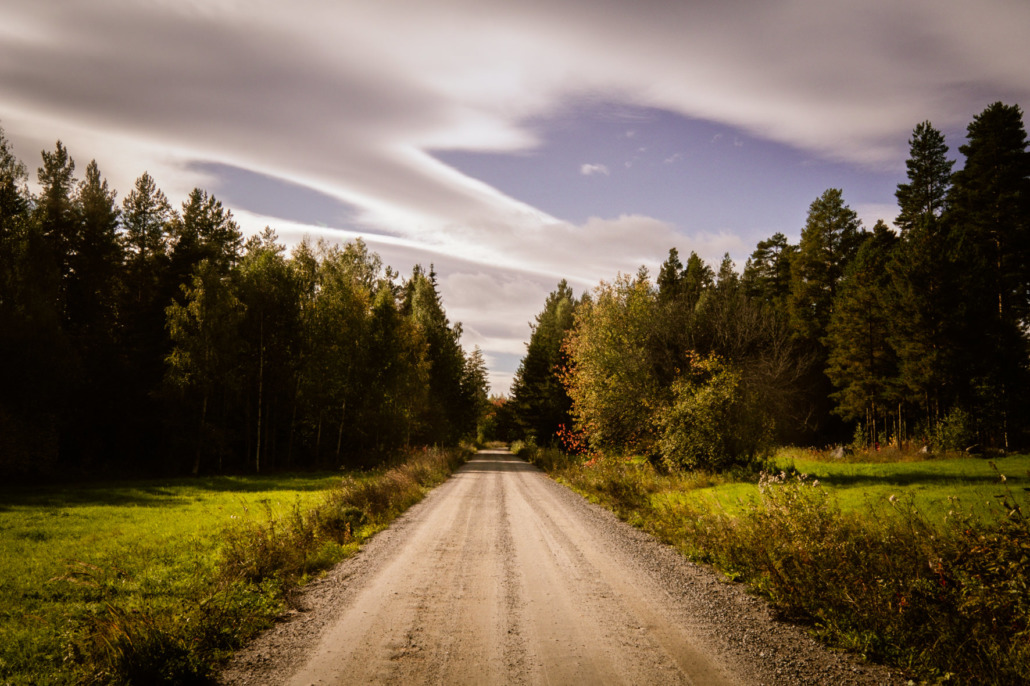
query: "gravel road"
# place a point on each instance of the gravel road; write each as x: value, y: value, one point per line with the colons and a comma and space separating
x: 501, y: 576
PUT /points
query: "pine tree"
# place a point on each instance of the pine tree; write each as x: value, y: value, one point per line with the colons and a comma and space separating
x: 697, y: 277
x: 767, y: 272
x: 861, y: 363
x: 96, y: 260
x: 990, y: 214
x: 539, y: 402
x: 829, y: 241
x: 55, y: 218
x: 146, y: 220
x: 204, y: 231
x: 32, y: 342
x: 670, y: 277
x: 924, y: 198
x: 923, y: 287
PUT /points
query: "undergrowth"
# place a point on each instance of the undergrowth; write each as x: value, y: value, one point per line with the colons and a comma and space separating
x: 134, y: 638
x: 947, y: 601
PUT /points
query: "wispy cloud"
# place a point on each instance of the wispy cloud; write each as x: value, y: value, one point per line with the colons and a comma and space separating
x: 343, y: 101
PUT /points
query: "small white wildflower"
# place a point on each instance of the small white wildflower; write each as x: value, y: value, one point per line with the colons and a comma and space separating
x: 1003, y: 479
x: 893, y: 498
x: 815, y: 483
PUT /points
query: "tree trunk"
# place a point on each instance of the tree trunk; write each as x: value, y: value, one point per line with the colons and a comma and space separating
x: 339, y: 437
x: 293, y: 423
x: 200, y: 435
x: 261, y: 389
x: 318, y: 438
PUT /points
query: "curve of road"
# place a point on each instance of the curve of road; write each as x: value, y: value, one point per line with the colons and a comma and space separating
x: 501, y: 576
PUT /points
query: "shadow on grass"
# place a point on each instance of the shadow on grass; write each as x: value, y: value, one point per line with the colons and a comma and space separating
x: 904, y: 478
x: 157, y: 493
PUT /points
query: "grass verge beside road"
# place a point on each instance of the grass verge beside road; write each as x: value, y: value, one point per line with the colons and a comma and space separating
x: 923, y: 565
x: 156, y: 581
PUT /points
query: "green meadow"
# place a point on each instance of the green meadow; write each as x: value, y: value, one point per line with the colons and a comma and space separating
x: 70, y: 554
x: 937, y: 488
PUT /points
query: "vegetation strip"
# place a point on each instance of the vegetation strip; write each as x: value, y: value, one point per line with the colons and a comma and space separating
x: 945, y: 597
x: 176, y: 574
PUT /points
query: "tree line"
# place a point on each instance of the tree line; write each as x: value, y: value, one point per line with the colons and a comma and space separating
x: 137, y: 338
x: 877, y: 336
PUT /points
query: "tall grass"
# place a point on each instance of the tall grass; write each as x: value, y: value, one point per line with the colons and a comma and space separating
x: 947, y: 599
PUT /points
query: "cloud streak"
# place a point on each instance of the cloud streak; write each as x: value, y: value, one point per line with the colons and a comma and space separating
x: 346, y: 101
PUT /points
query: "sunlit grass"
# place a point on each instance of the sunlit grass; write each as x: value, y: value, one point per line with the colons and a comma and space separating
x: 65, y: 551
x: 935, y: 487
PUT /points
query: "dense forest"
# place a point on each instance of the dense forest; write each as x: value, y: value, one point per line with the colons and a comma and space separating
x: 137, y: 339
x: 912, y: 337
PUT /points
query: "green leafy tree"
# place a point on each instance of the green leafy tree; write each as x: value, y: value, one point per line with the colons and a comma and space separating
x: 610, y: 377
x: 337, y: 320
x: 394, y: 375
x: 442, y: 419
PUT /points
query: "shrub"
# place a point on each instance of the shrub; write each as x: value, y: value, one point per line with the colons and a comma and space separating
x: 950, y: 604
x: 711, y: 424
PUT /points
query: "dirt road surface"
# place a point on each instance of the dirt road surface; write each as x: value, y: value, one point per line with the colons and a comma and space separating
x: 501, y: 576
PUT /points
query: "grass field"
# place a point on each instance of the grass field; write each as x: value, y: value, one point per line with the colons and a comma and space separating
x: 935, y: 487
x: 67, y: 552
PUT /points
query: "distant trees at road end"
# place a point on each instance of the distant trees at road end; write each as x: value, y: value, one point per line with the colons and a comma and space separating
x: 876, y: 337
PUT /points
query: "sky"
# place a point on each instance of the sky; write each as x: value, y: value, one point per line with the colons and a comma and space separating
x: 509, y: 144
